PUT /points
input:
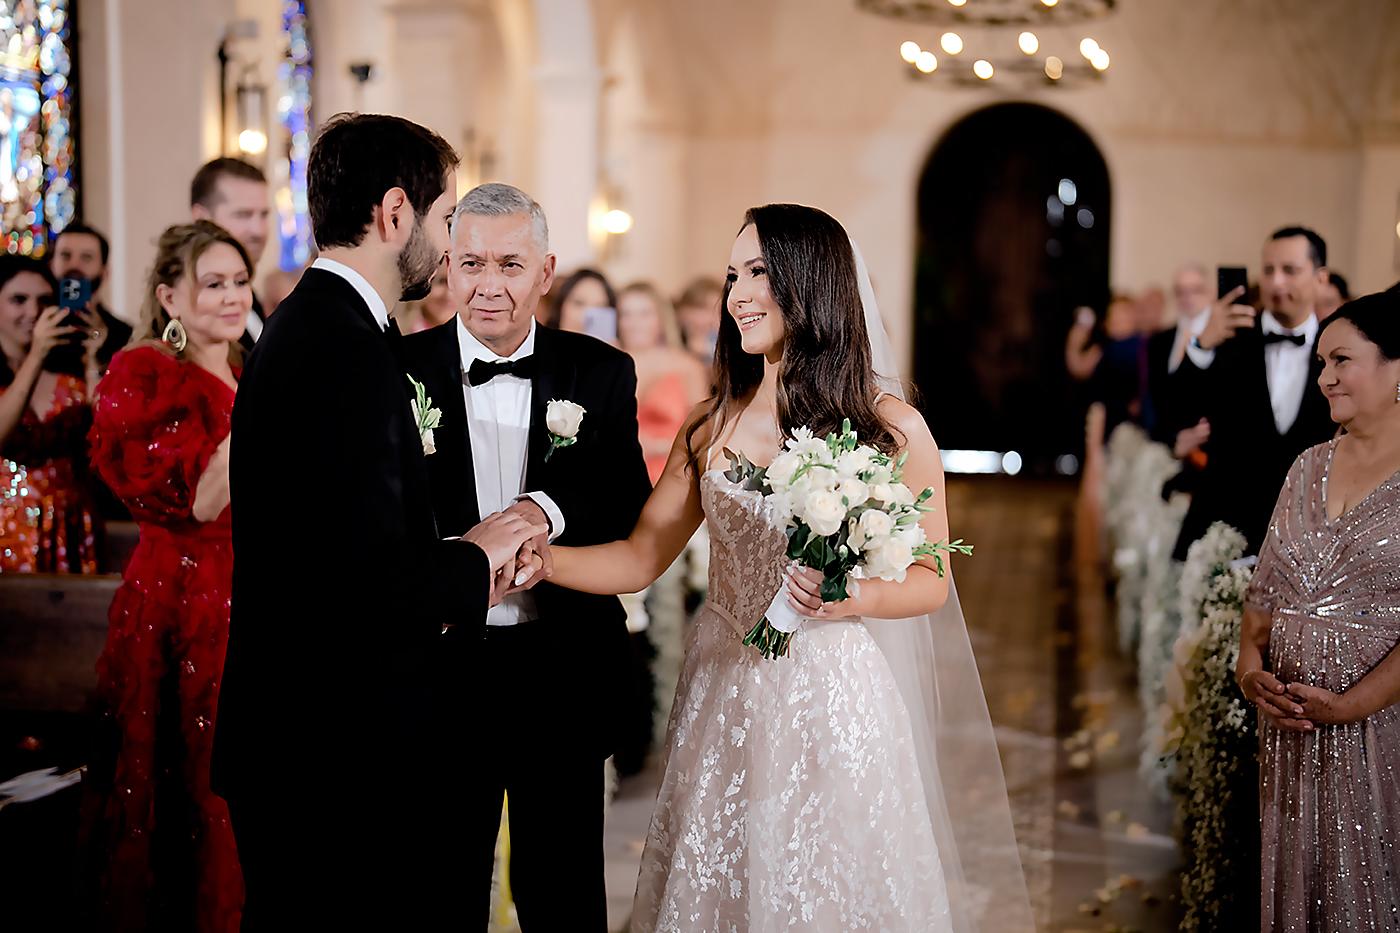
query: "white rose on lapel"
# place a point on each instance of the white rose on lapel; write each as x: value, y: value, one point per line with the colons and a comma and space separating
x: 425, y: 416
x: 562, y: 418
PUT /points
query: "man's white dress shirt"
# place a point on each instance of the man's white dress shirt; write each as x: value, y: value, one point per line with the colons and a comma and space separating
x: 498, y: 424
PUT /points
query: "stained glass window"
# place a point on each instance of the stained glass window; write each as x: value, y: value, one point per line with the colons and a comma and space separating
x: 37, y: 158
x: 294, y: 113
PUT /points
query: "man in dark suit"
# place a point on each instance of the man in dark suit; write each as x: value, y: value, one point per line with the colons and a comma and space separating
x: 234, y: 194
x: 82, y: 252
x: 1175, y: 391
x: 539, y: 700
x: 343, y: 583
x: 1262, y: 402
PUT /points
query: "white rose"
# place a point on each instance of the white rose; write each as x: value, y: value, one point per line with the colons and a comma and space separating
x: 781, y: 470
x: 875, y: 524
x: 889, y: 560
x: 900, y: 495
x: 882, y: 492
x: 911, y: 534
x: 824, y: 512
x: 853, y: 491
x: 854, y: 462
x: 563, y: 418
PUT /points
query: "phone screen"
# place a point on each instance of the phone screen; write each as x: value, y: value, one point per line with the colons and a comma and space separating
x: 1229, y: 278
x: 600, y: 322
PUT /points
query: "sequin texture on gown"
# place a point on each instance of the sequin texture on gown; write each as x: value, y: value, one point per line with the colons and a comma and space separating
x: 171, y: 858
x: 1330, y: 799
x: 791, y: 798
x: 46, y: 506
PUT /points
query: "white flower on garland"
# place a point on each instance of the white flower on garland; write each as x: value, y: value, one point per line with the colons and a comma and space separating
x: 1209, y: 728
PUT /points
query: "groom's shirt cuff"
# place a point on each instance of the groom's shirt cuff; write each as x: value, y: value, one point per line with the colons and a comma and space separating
x: 551, y: 511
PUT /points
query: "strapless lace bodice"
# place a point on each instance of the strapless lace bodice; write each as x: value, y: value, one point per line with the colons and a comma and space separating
x: 747, y: 551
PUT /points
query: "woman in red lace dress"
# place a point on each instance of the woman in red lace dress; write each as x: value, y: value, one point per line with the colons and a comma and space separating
x: 46, y: 503
x: 160, y: 439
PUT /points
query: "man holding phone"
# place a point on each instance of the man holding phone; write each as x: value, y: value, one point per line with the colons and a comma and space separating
x: 79, y: 262
x: 1259, y: 376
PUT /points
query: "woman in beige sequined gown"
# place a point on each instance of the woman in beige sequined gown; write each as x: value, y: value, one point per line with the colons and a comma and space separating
x: 793, y: 796
x: 1322, y: 619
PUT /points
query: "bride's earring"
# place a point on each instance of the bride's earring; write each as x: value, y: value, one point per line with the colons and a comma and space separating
x: 1397, y: 392
x: 175, y: 335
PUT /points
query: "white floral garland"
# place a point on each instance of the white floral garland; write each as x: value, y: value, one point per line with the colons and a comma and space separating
x: 1142, y: 528
x: 1210, y: 731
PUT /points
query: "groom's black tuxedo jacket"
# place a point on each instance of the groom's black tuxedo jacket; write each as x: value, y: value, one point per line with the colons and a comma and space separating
x: 1247, y: 457
x: 599, y: 484
x: 341, y: 582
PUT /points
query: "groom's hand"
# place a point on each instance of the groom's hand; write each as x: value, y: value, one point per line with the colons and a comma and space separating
x: 534, y: 556
x: 501, y: 536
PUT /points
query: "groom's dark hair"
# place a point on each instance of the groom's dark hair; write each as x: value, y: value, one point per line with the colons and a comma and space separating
x: 359, y: 156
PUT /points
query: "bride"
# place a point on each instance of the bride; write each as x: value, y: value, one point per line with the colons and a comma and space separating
x: 855, y: 784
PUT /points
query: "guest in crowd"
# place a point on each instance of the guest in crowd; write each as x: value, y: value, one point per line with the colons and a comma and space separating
x: 432, y: 311
x: 1176, y: 402
x: 584, y: 304
x: 1110, y: 359
x: 160, y: 439
x: 47, y: 522
x: 234, y: 194
x: 277, y: 285
x: 82, y: 252
x: 1317, y: 650
x: 1332, y: 295
x: 1258, y: 372
x: 697, y: 310
x: 670, y: 381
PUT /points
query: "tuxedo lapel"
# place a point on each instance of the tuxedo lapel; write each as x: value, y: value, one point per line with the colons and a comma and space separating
x: 454, y: 413
x: 553, y: 379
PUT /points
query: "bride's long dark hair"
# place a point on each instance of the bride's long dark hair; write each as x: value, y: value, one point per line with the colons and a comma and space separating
x: 826, y: 375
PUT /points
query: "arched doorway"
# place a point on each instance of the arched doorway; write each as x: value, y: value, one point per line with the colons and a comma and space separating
x: 1013, y: 235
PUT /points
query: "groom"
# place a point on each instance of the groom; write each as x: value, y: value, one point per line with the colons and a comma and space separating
x: 342, y: 583
x: 538, y: 700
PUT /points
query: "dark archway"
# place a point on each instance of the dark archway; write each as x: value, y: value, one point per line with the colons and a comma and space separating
x: 1005, y: 254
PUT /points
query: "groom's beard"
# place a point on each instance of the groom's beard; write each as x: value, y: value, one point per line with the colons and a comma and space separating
x: 418, y: 262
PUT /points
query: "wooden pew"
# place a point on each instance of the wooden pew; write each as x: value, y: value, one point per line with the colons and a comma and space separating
x: 52, y: 629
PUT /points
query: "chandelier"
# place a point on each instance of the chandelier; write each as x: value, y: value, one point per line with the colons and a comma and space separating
x: 1018, y: 40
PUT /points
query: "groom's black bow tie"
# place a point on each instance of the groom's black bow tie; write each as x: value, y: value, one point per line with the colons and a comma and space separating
x: 1296, y: 339
x: 483, y: 371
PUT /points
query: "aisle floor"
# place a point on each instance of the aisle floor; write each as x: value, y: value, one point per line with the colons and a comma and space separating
x: 1096, y: 845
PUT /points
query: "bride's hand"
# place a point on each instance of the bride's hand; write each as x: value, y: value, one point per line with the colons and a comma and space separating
x: 804, y: 588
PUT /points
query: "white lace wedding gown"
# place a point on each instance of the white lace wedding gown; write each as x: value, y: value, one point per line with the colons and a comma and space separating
x: 792, y: 798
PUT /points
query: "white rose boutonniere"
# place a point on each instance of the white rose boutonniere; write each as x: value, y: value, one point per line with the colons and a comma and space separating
x: 425, y: 416
x: 562, y: 418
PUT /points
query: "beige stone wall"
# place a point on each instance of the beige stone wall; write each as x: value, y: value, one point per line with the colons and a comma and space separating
x: 1218, y: 121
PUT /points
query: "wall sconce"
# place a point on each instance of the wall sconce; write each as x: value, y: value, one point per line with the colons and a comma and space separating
x: 606, y: 225
x: 252, y: 115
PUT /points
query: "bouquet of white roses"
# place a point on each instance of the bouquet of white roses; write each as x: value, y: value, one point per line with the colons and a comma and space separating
x: 847, y: 513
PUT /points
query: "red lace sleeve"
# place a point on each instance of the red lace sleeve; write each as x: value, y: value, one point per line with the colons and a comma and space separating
x: 155, y: 426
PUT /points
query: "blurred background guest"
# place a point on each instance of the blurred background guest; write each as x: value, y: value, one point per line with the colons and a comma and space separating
x: 47, y: 512
x: 82, y: 252
x: 1317, y: 653
x: 697, y: 310
x: 1111, y: 359
x: 234, y: 194
x: 437, y: 308
x: 670, y: 381
x: 1174, y: 395
x: 161, y: 440
x: 1332, y: 296
x: 584, y: 303
x: 1259, y: 380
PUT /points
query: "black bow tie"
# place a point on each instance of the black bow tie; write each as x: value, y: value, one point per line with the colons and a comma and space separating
x: 1296, y: 339
x: 483, y: 371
